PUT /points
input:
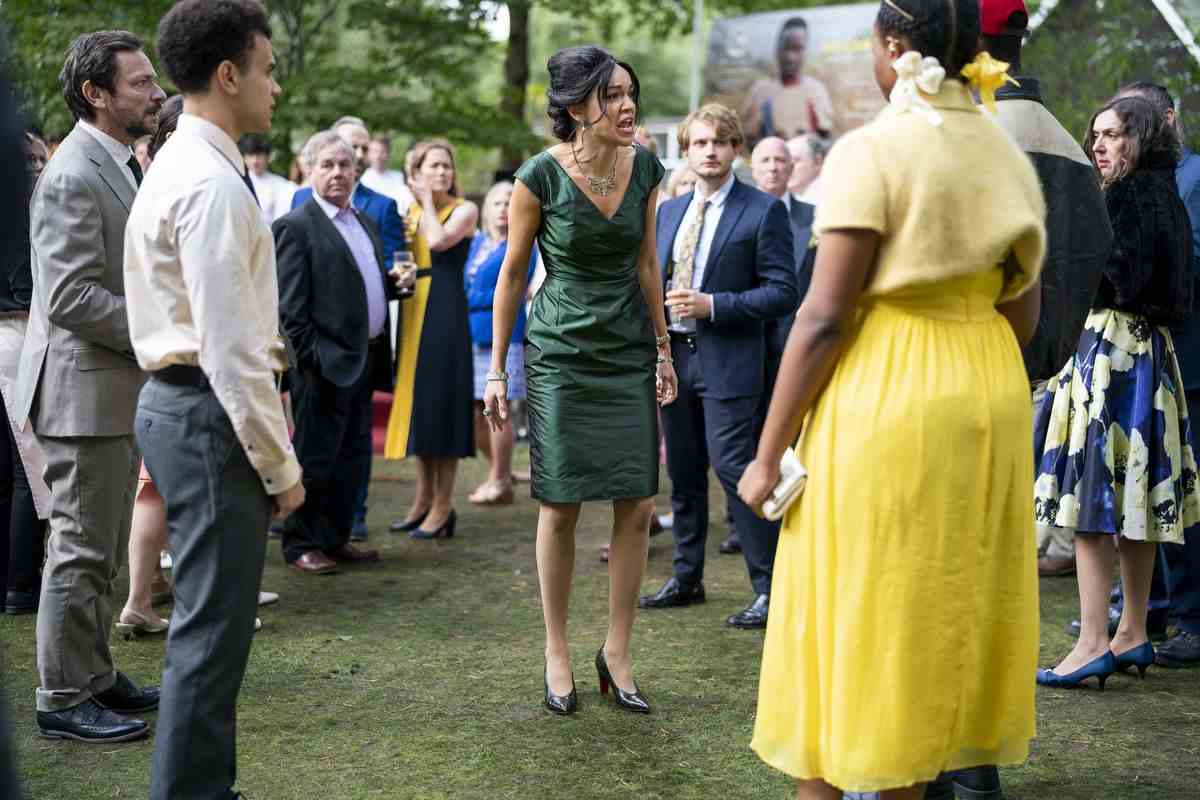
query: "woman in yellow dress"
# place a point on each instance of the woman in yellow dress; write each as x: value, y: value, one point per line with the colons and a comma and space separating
x: 904, y: 624
x: 432, y: 413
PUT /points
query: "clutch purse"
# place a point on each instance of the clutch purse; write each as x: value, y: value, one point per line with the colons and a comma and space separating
x: 792, y: 479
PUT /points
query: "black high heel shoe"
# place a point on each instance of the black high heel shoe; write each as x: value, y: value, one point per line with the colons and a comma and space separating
x: 444, y: 532
x: 630, y: 701
x: 558, y: 703
x: 408, y: 527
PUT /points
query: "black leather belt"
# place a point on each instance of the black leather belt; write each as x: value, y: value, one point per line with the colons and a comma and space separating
x: 686, y: 338
x: 182, y: 375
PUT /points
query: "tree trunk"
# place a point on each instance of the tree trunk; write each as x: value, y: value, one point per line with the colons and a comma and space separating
x: 516, y: 77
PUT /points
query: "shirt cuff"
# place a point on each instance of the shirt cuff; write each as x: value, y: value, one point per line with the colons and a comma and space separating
x: 712, y: 308
x: 278, y: 480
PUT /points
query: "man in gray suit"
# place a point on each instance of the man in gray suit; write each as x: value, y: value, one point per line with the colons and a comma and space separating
x: 79, y: 382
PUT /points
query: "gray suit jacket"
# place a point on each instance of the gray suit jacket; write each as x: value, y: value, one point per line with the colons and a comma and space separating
x: 78, y: 376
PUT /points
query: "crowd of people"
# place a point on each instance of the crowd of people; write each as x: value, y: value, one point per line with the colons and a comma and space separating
x: 976, y: 334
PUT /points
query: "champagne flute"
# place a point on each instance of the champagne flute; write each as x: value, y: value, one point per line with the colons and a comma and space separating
x: 404, y: 267
x: 672, y: 310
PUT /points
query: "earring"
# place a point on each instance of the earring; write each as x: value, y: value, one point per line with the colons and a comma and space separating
x: 893, y: 46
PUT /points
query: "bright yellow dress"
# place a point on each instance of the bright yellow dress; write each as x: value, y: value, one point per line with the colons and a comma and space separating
x: 903, y: 633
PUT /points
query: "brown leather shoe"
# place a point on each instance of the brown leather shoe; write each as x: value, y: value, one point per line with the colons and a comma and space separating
x: 349, y: 552
x: 1050, y: 567
x: 314, y: 562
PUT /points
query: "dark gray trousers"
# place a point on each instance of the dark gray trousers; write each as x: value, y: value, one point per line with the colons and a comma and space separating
x: 217, y: 517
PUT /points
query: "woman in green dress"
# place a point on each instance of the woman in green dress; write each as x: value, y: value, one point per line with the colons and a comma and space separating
x: 590, y: 349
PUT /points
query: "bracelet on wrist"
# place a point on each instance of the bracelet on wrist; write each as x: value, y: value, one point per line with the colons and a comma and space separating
x: 659, y: 341
x: 665, y: 360
x: 501, y: 377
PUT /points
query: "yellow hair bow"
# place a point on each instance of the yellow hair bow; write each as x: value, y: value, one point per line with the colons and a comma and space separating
x: 985, y: 75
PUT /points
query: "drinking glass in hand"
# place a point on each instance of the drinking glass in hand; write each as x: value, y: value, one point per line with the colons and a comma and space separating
x: 672, y: 310
x: 404, y: 268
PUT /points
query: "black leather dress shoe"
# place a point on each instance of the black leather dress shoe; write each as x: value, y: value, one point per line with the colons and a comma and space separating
x: 976, y: 783
x: 125, y: 698
x: 732, y: 544
x: 674, y: 594
x: 752, y: 617
x: 1181, y: 650
x: 90, y: 722
x: 1156, y: 623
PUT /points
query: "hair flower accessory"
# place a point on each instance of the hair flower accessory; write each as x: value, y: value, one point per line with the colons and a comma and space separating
x: 916, y: 75
x: 985, y: 75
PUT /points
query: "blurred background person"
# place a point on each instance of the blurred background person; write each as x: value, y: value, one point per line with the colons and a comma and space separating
x: 792, y: 103
x: 297, y: 172
x: 379, y: 176
x: 24, y: 497
x: 274, y: 192
x: 483, y: 270
x: 432, y: 411
x: 141, y: 151
x: 1112, y: 436
x: 808, y: 157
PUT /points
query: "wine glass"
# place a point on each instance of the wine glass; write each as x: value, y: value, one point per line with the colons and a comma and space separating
x: 404, y: 267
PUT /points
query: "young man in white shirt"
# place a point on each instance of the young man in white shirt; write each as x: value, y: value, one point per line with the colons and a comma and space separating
x: 381, y: 178
x: 204, y: 321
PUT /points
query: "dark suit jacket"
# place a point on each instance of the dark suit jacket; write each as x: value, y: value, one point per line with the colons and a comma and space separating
x: 778, y: 330
x: 752, y: 278
x: 382, y: 211
x: 322, y: 299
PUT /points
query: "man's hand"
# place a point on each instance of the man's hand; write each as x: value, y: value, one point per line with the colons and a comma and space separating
x: 689, y: 304
x: 289, y: 500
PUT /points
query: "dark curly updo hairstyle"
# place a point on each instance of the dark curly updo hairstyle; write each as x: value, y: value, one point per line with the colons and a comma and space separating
x: 948, y: 30
x: 195, y: 36
x: 1148, y: 137
x: 576, y: 73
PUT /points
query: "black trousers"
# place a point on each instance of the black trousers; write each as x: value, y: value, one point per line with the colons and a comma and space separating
x: 702, y: 430
x: 22, y: 534
x: 217, y: 514
x: 333, y: 426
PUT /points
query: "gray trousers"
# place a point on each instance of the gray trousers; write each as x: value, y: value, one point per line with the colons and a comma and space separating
x: 92, y: 481
x: 217, y: 517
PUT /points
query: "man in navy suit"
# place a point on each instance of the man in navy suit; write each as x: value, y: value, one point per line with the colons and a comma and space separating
x: 382, y: 210
x: 726, y: 254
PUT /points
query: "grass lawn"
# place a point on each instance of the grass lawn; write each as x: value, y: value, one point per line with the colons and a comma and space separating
x: 420, y: 677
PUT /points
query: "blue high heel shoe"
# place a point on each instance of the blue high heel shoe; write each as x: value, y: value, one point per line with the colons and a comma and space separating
x: 1098, y: 668
x: 1141, y: 657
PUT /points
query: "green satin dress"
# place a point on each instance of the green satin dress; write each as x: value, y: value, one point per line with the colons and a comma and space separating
x: 589, y: 344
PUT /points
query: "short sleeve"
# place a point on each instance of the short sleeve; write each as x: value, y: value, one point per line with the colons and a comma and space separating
x: 653, y: 169
x: 855, y: 194
x: 533, y: 174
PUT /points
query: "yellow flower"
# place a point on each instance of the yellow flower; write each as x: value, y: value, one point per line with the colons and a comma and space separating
x: 985, y: 74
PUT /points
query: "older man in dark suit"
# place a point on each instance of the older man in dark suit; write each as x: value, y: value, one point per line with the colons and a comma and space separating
x: 726, y: 251
x: 333, y: 292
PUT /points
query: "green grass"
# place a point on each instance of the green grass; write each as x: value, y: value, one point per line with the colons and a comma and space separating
x: 420, y: 677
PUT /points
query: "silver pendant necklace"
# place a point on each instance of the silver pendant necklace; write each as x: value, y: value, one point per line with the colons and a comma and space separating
x: 601, y: 186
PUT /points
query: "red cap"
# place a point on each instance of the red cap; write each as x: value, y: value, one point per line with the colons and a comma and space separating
x: 995, y: 15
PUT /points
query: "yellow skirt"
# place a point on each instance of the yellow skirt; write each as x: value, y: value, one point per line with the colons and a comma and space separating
x: 903, y: 634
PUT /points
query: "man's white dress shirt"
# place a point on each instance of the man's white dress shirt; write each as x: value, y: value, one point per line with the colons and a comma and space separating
x: 274, y: 194
x: 712, y: 218
x: 201, y: 288
x: 389, y: 182
x: 121, y: 153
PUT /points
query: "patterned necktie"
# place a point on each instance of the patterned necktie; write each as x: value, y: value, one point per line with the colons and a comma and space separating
x: 136, y: 169
x: 682, y: 279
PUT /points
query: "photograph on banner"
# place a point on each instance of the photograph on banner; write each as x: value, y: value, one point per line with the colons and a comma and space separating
x: 795, y: 72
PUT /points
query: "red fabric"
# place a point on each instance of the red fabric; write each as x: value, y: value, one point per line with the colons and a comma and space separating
x: 995, y: 13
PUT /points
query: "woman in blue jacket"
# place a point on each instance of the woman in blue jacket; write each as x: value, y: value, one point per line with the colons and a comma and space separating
x: 482, y: 270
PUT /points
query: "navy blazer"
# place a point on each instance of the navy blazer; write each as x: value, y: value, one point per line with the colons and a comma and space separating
x: 778, y: 330
x: 322, y: 299
x: 380, y: 209
x: 751, y: 276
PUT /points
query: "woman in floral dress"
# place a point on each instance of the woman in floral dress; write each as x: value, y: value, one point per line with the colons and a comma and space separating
x: 1112, y: 436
